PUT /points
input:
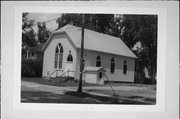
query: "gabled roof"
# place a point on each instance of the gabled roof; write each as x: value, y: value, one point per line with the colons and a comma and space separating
x: 95, y: 41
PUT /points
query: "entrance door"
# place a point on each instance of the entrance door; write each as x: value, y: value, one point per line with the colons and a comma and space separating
x: 69, y: 65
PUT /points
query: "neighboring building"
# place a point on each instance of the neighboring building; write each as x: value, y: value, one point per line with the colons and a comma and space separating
x: 62, y: 53
x: 33, y: 53
x: 32, y: 60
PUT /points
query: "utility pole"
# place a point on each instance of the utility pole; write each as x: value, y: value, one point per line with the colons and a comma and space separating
x: 81, y: 60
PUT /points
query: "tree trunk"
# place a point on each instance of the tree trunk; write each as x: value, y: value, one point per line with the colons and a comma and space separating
x: 153, y: 74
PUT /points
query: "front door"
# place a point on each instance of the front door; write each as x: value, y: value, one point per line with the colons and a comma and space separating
x: 69, y: 66
x: 69, y: 69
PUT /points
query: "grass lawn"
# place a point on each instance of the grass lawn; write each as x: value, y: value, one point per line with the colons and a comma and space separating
x: 68, y: 97
x: 92, y: 93
x: 56, y: 82
x: 72, y: 82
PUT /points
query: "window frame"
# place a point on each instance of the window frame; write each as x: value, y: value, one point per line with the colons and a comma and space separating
x: 112, y: 67
x: 58, y: 57
x: 70, y: 57
x: 125, y: 67
x: 98, y: 61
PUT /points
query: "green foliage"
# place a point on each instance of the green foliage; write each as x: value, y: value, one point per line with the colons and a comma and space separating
x: 28, y: 35
x: 31, y: 68
x: 143, y: 29
x: 43, y: 33
x: 97, y: 22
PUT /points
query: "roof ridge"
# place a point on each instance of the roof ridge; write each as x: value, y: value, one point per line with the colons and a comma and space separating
x: 100, y: 34
x: 110, y: 44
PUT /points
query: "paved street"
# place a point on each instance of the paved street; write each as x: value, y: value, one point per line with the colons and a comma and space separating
x: 124, y: 94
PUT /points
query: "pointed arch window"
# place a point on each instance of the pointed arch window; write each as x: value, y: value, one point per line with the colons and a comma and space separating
x: 98, y: 61
x: 125, y: 67
x: 112, y: 66
x: 58, y: 56
x: 70, y: 58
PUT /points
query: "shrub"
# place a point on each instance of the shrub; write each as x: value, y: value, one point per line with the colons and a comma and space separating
x: 31, y: 68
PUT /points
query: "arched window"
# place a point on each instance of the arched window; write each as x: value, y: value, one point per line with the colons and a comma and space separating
x: 112, y: 65
x: 100, y: 75
x: 98, y: 61
x: 125, y: 67
x: 70, y: 58
x: 58, y: 56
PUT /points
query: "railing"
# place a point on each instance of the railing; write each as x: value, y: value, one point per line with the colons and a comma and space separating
x: 60, y: 77
x: 63, y: 75
x: 55, y: 71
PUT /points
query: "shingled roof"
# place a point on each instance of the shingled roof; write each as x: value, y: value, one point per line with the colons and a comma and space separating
x: 95, y: 41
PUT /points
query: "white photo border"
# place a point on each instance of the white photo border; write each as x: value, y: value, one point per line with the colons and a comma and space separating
x: 161, y: 59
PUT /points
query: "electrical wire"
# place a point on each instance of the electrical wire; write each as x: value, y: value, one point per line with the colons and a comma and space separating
x: 46, y: 21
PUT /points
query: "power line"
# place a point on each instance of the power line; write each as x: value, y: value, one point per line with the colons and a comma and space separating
x: 46, y: 21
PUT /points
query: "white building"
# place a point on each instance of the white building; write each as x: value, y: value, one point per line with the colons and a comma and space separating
x: 62, y: 53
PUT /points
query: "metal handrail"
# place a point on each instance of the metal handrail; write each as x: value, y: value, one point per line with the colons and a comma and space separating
x: 64, y: 74
x: 61, y: 75
x: 54, y: 72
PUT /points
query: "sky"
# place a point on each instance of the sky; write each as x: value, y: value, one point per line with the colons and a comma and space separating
x: 41, y: 17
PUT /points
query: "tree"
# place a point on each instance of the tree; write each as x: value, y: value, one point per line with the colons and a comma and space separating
x: 28, y: 35
x: 65, y: 19
x: 96, y: 22
x: 116, y: 26
x: 43, y: 32
x: 143, y: 29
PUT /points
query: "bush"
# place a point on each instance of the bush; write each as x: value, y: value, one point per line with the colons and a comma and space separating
x: 139, y: 77
x: 31, y: 68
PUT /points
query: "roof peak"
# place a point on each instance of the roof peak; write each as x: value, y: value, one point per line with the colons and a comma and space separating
x: 95, y: 41
x: 69, y: 27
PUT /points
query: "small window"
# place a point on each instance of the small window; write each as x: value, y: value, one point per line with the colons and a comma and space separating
x: 32, y: 54
x: 112, y: 66
x: 100, y: 75
x: 125, y: 67
x: 70, y: 58
x: 98, y: 61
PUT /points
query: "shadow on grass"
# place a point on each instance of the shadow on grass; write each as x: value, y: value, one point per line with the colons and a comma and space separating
x: 150, y: 101
x: 134, y: 97
x: 68, y: 97
x: 94, y: 98
x: 73, y: 97
x: 108, y: 100
x: 39, y: 97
